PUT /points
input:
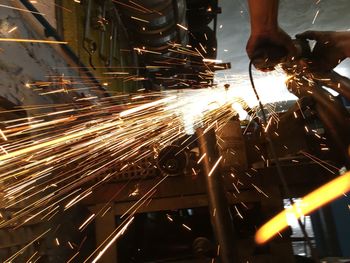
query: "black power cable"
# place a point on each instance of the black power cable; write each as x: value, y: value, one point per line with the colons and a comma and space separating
x: 278, y: 164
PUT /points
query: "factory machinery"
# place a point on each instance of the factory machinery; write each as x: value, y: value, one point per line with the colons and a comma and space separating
x: 157, y: 44
x: 196, y: 213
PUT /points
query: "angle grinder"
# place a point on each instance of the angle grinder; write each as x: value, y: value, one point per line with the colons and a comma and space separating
x: 268, y: 55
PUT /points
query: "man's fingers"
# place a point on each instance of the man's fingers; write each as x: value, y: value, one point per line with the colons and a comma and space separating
x: 292, y: 50
x: 312, y: 35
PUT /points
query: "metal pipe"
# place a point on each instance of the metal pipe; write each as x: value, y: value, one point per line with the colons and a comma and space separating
x: 333, y: 115
x: 336, y: 82
x: 220, y: 215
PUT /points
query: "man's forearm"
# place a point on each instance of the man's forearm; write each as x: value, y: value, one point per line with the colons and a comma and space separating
x: 263, y: 15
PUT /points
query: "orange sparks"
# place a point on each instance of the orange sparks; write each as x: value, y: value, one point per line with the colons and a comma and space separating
x: 32, y: 41
x: 183, y: 27
x: 115, y: 237
x: 214, y: 167
x: 145, y: 106
x: 309, y: 203
x: 200, y: 159
x: 139, y: 19
x: 12, y: 29
x: 62, y: 139
x: 3, y: 135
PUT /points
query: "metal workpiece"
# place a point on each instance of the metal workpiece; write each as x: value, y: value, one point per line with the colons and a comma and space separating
x: 334, y: 81
x: 220, y: 214
x: 334, y: 116
x: 307, y: 82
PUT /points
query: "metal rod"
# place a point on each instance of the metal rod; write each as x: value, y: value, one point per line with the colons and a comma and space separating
x: 333, y: 115
x: 220, y: 215
x: 335, y: 81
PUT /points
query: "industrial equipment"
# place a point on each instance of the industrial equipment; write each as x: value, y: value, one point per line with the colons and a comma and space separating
x: 110, y: 172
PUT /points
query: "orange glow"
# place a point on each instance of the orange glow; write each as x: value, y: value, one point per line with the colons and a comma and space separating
x: 309, y: 203
x: 32, y: 41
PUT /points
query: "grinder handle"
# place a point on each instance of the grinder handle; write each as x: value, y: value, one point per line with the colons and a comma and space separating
x: 267, y: 56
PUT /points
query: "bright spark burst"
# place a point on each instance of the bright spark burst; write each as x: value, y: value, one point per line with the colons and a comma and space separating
x: 59, y: 159
x: 32, y: 41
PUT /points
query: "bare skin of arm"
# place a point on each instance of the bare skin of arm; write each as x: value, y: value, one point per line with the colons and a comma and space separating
x: 331, y: 47
x: 265, y: 31
x: 263, y: 16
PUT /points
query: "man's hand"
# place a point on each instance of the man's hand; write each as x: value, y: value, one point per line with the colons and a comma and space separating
x: 331, y: 48
x: 268, y: 43
x: 272, y: 45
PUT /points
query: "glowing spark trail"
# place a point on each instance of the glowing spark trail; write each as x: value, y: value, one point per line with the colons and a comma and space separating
x: 32, y: 41
x: 145, y: 106
x: 309, y: 203
x: 214, y: 166
x: 202, y: 157
x: 117, y: 235
x: 313, y: 21
x: 63, y: 139
x: 139, y: 19
x: 58, y: 158
x: 183, y: 27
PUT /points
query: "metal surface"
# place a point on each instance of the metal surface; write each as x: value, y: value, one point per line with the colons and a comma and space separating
x: 335, y: 81
x: 219, y: 209
x: 333, y: 115
x: 307, y: 82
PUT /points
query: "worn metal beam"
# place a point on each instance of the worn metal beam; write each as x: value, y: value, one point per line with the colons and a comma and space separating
x: 301, y: 179
x: 218, y: 205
